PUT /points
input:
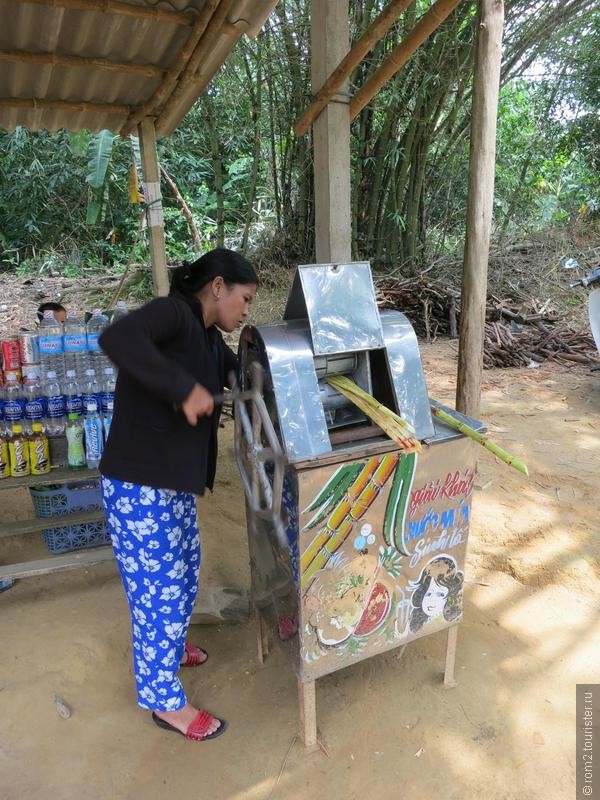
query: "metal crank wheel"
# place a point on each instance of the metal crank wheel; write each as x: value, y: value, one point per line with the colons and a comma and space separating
x: 252, y: 430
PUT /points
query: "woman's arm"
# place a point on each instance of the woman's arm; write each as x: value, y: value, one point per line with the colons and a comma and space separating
x: 132, y: 343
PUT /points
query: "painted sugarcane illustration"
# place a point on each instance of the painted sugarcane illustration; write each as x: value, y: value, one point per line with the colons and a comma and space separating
x: 397, y: 504
x: 343, y: 500
x: 353, y: 504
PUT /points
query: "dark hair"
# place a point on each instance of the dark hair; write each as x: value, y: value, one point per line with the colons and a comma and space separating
x: 442, y: 570
x: 49, y: 307
x: 190, y: 277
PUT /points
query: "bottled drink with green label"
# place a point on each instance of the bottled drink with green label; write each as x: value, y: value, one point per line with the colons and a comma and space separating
x: 75, y: 446
x: 39, y: 452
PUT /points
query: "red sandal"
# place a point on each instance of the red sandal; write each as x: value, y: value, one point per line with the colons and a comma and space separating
x: 195, y: 656
x: 197, y: 730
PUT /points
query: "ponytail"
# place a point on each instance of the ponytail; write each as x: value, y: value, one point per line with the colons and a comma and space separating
x: 189, y: 278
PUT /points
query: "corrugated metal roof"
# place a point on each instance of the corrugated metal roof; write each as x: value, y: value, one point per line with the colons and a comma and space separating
x: 49, y: 81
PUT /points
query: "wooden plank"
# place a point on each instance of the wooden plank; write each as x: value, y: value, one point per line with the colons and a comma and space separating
x: 85, y: 558
x: 307, y: 704
x: 39, y: 523
x: 449, y: 679
x: 216, y: 605
x: 60, y: 475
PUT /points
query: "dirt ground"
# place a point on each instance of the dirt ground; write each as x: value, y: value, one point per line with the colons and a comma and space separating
x: 530, y: 633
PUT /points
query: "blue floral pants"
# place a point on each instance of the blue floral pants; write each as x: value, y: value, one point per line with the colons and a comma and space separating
x: 154, y: 534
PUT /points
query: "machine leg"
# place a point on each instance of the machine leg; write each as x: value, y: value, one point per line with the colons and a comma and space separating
x: 262, y: 635
x: 308, y: 714
x: 449, y: 680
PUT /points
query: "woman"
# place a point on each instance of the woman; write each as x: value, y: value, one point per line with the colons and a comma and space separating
x: 437, y: 592
x: 162, y: 451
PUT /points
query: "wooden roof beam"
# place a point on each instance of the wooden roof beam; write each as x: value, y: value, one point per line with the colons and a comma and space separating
x: 23, y: 57
x: 428, y: 23
x: 35, y: 103
x: 189, y: 73
x: 376, y: 31
x: 202, y: 29
x: 118, y: 7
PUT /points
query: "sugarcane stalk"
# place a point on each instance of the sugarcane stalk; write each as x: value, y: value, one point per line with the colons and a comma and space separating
x: 467, y: 430
x: 390, y: 422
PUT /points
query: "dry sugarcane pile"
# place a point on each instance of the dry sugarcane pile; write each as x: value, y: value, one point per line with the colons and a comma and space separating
x: 512, y: 345
x: 431, y: 307
x: 513, y: 338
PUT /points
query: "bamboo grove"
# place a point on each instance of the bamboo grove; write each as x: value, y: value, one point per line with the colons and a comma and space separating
x: 242, y: 176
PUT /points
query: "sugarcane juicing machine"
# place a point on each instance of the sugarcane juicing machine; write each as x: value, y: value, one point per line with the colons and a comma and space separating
x: 356, y: 545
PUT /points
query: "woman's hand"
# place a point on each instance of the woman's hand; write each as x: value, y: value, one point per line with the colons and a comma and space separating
x: 199, y: 403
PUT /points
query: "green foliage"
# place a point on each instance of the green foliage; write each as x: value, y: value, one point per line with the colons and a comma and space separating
x: 247, y: 180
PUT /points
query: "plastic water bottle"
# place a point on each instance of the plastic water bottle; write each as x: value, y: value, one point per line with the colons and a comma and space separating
x: 107, y: 418
x: 72, y: 394
x: 94, y: 443
x: 75, y: 447
x: 107, y: 392
x: 119, y: 312
x: 97, y: 359
x: 75, y: 345
x: 90, y: 390
x: 35, y: 403
x: 51, y: 346
x: 14, y: 402
x: 55, y: 405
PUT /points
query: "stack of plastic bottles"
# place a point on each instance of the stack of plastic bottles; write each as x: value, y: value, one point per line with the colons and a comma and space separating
x: 55, y: 383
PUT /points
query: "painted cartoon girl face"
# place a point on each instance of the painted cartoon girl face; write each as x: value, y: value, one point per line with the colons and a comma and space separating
x: 434, y: 599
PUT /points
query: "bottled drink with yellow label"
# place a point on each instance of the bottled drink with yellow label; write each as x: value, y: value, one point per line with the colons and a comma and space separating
x: 18, y: 452
x: 4, y: 459
x: 39, y: 452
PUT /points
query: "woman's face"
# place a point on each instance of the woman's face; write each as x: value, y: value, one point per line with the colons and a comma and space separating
x: 435, y: 599
x: 234, y: 304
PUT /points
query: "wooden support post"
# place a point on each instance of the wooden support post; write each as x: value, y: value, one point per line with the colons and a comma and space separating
x: 153, y: 200
x: 329, y: 39
x: 479, y: 204
x: 449, y: 680
x: 308, y: 714
x: 262, y: 635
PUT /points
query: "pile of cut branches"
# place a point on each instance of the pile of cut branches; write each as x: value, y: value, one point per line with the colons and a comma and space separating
x: 513, y: 337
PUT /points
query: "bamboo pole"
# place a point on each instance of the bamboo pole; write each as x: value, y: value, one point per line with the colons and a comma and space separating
x: 200, y: 53
x: 376, y: 30
x: 21, y: 57
x: 400, y: 55
x: 119, y: 8
x: 153, y: 197
x: 484, y: 111
x: 37, y: 104
x: 201, y: 28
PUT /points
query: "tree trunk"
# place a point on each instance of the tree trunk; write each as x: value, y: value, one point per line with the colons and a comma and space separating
x: 256, y: 99
x: 217, y: 169
x: 479, y: 204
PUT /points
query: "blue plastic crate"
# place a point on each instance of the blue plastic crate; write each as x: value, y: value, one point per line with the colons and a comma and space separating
x: 67, y: 498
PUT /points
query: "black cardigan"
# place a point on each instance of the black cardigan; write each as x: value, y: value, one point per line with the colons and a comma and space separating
x: 162, y: 350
